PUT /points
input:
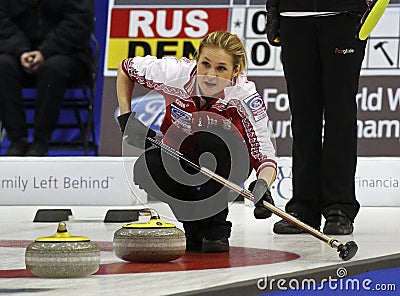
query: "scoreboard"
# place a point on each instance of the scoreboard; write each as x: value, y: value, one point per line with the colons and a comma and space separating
x: 172, y: 29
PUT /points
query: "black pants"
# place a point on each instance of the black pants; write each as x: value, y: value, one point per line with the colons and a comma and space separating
x: 322, y: 61
x: 50, y: 80
x: 200, y: 203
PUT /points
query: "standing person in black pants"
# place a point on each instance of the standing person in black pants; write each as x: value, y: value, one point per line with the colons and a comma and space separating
x: 321, y: 62
x: 43, y: 44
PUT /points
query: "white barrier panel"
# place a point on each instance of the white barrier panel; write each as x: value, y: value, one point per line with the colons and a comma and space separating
x: 68, y: 181
x: 103, y: 181
x: 377, y: 181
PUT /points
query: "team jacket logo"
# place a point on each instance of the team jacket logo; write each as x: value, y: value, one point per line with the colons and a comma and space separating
x: 257, y: 107
x: 181, y: 117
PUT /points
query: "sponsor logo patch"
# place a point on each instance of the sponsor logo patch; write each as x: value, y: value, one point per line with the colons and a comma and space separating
x: 257, y: 106
x: 181, y: 117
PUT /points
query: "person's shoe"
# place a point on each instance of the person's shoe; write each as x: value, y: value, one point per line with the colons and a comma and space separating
x: 337, y: 223
x: 38, y: 148
x: 193, y: 245
x: 220, y: 244
x: 17, y: 148
x: 284, y: 227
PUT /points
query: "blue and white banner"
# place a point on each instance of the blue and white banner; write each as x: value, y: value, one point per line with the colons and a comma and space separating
x: 100, y: 181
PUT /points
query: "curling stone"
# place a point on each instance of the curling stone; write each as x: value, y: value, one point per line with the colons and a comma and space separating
x: 62, y: 255
x: 154, y: 241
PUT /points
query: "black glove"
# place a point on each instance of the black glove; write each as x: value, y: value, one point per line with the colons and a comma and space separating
x: 259, y: 189
x: 123, y: 120
x: 136, y: 131
x: 273, y: 24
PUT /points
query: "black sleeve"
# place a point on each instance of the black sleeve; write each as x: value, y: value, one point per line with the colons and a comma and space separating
x: 74, y: 30
x: 12, y: 39
x: 272, y: 3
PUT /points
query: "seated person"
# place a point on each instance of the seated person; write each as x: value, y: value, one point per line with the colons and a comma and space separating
x: 43, y: 44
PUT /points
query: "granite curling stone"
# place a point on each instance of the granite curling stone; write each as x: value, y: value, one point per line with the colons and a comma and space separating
x: 154, y: 241
x: 62, y: 255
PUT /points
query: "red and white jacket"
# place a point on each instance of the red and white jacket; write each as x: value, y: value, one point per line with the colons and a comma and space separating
x: 239, y: 104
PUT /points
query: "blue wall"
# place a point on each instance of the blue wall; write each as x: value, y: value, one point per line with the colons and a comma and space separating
x: 101, y: 11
